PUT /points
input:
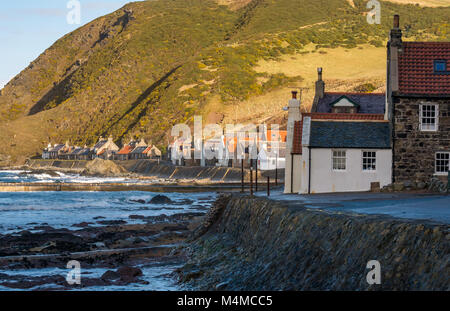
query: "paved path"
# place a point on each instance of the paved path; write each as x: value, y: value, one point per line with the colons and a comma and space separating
x: 432, y: 207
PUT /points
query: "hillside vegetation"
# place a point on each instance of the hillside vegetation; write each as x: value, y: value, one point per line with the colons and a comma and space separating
x: 152, y: 64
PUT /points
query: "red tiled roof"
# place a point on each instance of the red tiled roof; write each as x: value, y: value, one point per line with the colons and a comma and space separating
x: 344, y: 116
x: 147, y: 150
x: 416, y: 68
x: 126, y: 150
x: 298, y: 125
x: 354, y: 93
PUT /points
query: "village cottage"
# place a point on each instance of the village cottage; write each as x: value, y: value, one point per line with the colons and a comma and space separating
x: 418, y: 107
x: 342, y: 145
x: 105, y: 149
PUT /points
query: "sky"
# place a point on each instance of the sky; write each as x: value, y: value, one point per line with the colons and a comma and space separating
x: 28, y: 27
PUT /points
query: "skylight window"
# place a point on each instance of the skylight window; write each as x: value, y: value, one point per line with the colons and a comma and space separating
x: 440, y: 66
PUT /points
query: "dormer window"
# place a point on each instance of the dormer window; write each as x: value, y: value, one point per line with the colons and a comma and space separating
x: 344, y: 105
x: 440, y: 66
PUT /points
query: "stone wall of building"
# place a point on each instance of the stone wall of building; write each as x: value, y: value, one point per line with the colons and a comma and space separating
x: 414, y: 150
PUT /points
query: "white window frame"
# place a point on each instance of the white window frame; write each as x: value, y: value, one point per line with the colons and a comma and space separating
x: 435, y: 162
x: 362, y: 161
x: 425, y: 127
x: 338, y: 157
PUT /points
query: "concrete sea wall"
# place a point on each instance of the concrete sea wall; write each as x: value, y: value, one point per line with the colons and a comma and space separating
x: 259, y: 244
x: 153, y: 168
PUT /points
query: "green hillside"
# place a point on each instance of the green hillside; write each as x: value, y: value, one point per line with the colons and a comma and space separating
x: 152, y: 64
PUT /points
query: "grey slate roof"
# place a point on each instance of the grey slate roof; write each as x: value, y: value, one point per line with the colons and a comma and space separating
x: 368, y: 103
x: 100, y: 144
x: 138, y: 150
x: 349, y: 135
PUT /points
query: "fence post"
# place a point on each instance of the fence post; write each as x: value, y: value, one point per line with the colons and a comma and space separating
x: 256, y: 175
x: 448, y: 182
x: 242, y: 176
x: 251, y: 180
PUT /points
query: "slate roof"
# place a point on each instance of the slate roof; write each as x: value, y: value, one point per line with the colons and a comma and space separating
x: 100, y: 144
x: 332, y: 134
x: 368, y: 102
x: 57, y: 148
x: 416, y: 68
x: 138, y: 150
x: 298, y: 127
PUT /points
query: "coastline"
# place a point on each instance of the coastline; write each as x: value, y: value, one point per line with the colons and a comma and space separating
x: 253, y: 243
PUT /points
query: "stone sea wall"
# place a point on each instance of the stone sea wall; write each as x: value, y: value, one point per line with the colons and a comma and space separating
x: 165, y: 170
x: 259, y: 244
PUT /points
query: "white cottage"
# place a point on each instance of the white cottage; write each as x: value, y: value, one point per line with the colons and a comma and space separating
x: 344, y: 156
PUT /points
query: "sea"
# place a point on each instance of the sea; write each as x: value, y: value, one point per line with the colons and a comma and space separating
x: 25, y: 210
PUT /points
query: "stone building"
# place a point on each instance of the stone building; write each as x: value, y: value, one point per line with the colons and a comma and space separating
x: 418, y: 107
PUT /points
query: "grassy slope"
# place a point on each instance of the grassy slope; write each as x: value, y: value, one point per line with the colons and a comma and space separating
x: 138, y: 74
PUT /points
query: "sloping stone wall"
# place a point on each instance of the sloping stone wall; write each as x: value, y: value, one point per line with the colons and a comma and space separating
x: 258, y: 244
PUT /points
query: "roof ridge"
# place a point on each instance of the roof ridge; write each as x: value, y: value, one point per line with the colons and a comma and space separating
x: 354, y: 93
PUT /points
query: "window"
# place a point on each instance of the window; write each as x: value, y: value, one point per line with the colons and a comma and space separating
x: 440, y: 66
x: 339, y: 160
x: 442, y: 162
x: 369, y: 161
x: 429, y: 117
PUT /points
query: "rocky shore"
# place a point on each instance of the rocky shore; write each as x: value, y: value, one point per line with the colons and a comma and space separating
x: 249, y: 243
x: 116, y: 247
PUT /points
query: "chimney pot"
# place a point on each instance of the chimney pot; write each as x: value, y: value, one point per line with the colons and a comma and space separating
x: 319, y: 73
x: 294, y: 94
x: 396, y: 21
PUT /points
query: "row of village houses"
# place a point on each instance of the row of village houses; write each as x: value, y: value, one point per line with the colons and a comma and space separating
x: 264, y: 149
x: 225, y: 149
x: 104, y: 149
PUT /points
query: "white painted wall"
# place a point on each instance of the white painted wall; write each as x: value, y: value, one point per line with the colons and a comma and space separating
x: 296, y: 184
x: 293, y: 115
x: 324, y: 179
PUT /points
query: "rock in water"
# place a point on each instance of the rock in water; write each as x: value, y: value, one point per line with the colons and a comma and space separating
x: 160, y: 199
x: 129, y: 274
x: 110, y: 275
x: 104, y: 168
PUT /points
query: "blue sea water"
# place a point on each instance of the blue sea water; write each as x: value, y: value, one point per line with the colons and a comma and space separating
x: 27, y: 210
x: 17, y: 176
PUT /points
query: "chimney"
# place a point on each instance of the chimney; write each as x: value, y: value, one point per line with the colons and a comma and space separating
x: 110, y: 139
x: 394, y: 50
x: 396, y: 33
x: 294, y: 94
x: 320, y: 84
x: 100, y: 138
